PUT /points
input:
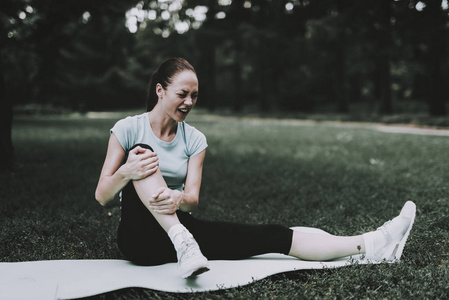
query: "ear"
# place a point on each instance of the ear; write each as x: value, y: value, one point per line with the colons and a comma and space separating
x: 159, y: 90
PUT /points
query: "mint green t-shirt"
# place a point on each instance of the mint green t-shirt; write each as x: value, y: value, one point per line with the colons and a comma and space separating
x: 173, y: 156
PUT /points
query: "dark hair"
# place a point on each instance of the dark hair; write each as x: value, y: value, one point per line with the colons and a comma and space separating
x: 164, y: 75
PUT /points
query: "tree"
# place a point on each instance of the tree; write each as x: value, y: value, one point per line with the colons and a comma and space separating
x: 435, y: 22
x: 6, y: 148
x: 384, y: 49
x: 340, y: 57
x: 206, y: 38
x: 33, y: 35
x: 11, y: 28
x: 92, y: 72
x: 237, y: 16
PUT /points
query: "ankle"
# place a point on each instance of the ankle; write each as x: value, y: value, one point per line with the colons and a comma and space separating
x: 177, y: 233
x: 373, y: 240
x: 176, y: 229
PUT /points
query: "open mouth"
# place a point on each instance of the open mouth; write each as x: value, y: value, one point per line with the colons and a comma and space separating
x: 183, y: 111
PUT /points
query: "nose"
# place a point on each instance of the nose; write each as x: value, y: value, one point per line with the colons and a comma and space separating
x: 188, y: 100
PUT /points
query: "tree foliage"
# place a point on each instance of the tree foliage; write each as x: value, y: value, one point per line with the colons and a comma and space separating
x: 286, y: 54
x: 296, y: 55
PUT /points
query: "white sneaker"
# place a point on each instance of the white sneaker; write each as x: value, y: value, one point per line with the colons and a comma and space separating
x: 191, y: 261
x: 388, y: 241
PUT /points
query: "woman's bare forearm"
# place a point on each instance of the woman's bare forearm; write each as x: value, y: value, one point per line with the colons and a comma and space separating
x: 110, y: 186
x: 189, y: 202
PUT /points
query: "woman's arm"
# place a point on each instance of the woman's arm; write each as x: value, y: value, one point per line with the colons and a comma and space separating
x: 114, y: 176
x: 192, y: 185
x: 167, y: 201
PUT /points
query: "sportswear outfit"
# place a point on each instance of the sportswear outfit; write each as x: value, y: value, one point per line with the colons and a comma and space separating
x: 143, y: 241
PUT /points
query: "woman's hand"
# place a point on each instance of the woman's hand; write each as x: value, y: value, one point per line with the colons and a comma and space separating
x: 166, y: 201
x: 140, y: 164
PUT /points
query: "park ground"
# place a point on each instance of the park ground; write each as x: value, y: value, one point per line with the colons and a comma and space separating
x: 343, y: 177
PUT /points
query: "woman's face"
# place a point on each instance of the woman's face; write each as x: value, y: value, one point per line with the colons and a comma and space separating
x: 180, y: 96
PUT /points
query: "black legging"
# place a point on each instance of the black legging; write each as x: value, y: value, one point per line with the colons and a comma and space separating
x: 143, y: 241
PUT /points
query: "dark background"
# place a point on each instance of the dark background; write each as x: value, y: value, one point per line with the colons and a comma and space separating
x: 340, y: 56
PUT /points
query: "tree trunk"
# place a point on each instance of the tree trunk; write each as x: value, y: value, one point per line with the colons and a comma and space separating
x: 237, y: 16
x: 207, y: 65
x: 340, y: 63
x: 208, y: 81
x: 6, y: 115
x: 237, y: 71
x: 340, y: 97
x: 385, y: 85
x: 264, y: 103
x: 435, y: 59
x: 384, y: 58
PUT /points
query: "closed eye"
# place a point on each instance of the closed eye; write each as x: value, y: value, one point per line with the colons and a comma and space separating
x: 185, y: 94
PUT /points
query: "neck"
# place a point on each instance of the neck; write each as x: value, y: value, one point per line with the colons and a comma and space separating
x: 163, y: 126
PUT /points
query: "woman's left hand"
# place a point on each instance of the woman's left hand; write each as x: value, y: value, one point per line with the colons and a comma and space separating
x: 165, y: 201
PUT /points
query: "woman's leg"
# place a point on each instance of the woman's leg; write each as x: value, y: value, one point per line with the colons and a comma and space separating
x: 387, y: 242
x: 228, y: 240
x: 145, y: 189
x: 311, y: 246
x: 223, y: 240
x: 191, y: 260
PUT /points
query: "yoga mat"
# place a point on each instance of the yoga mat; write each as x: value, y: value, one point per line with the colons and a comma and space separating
x: 69, y: 279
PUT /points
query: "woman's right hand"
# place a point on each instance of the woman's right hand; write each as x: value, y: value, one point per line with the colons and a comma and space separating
x: 140, y: 164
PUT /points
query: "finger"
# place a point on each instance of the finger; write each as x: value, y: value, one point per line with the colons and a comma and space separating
x: 151, y: 162
x: 167, y: 195
x: 160, y: 206
x: 135, y: 150
x: 165, y: 211
x: 152, y: 165
x: 163, y: 204
x: 155, y: 197
x: 138, y: 150
x: 159, y: 202
x: 152, y: 154
x: 162, y: 197
x: 153, y: 201
x: 147, y: 154
x: 151, y: 170
x: 158, y: 192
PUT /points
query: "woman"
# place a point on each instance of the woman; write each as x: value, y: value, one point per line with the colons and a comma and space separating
x: 155, y: 160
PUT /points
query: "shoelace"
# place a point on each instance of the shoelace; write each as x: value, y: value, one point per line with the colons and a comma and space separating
x: 188, y: 248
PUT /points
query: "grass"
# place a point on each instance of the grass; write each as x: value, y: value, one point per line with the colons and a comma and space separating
x: 345, y: 180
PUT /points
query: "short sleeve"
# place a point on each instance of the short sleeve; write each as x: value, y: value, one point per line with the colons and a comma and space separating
x: 196, y: 141
x: 124, y: 132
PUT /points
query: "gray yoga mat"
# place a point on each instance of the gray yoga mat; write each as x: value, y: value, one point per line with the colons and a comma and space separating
x: 68, y: 279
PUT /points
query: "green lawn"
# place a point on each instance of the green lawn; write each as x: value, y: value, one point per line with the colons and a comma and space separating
x: 344, y: 179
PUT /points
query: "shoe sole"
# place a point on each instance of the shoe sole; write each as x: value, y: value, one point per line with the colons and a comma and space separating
x: 194, y: 270
x: 198, y: 272
x: 398, y: 248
